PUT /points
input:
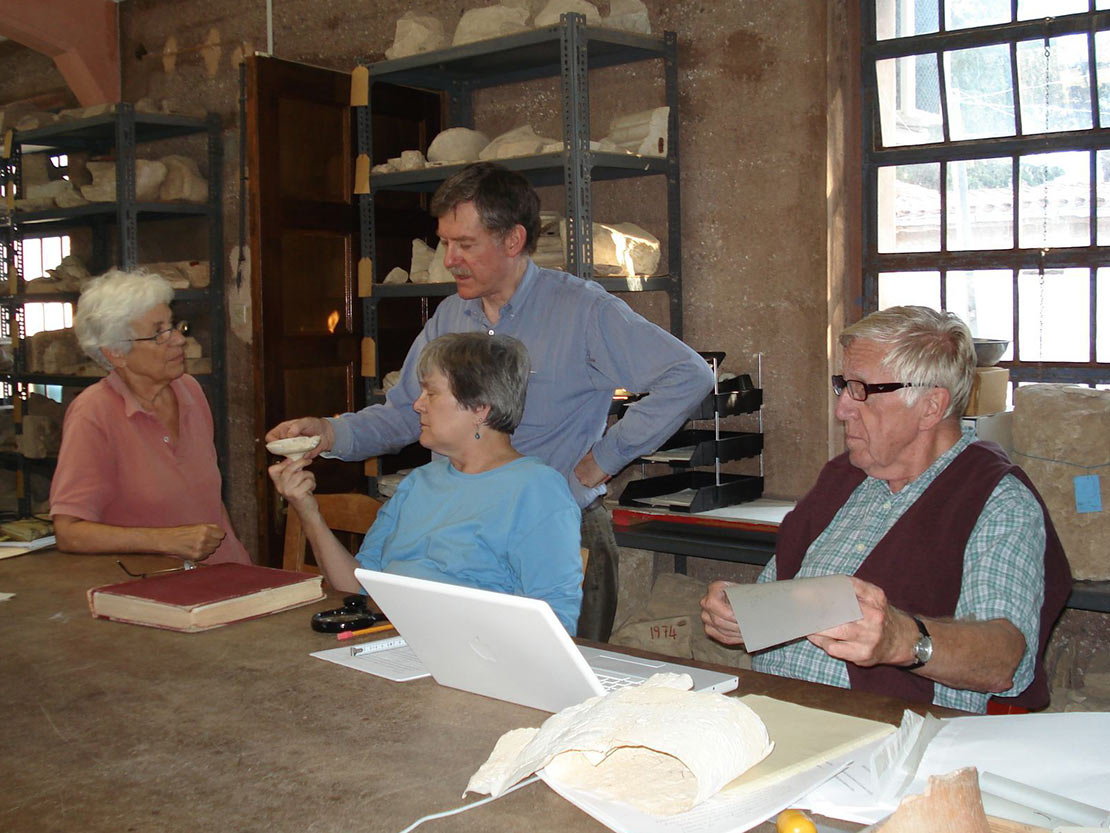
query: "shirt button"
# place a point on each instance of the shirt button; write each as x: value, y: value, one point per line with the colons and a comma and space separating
x: 491, y: 332
x: 165, y: 439
x: 860, y: 547
x: 886, y: 505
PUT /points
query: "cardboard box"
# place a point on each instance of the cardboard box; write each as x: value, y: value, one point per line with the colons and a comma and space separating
x: 988, y: 391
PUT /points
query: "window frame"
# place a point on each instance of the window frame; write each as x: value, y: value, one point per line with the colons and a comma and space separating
x: 943, y: 260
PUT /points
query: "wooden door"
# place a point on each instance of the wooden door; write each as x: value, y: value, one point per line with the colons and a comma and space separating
x: 304, y: 226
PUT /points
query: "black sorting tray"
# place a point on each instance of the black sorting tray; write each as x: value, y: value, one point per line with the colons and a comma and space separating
x: 734, y: 488
x: 734, y: 396
x: 733, y: 445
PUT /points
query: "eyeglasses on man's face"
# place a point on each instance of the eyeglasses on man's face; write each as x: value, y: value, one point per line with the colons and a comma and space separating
x: 859, y: 391
x: 162, y: 336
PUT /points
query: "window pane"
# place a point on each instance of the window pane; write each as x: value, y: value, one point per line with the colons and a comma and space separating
x: 980, y: 95
x: 32, y: 259
x: 1054, y: 207
x: 1030, y: 9
x: 900, y: 288
x: 980, y: 204
x: 1102, y: 171
x: 984, y: 299
x: 902, y: 18
x: 963, y: 15
x: 909, y: 208
x: 1102, y: 73
x: 1068, y: 85
x: 1102, y: 320
x: 1054, y: 315
x: 909, y: 100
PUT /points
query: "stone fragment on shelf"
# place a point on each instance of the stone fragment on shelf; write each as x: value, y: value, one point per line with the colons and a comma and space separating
x: 71, y: 271
x: 33, y: 121
x: 457, y: 144
x: 41, y: 428
x: 412, y: 160
x: 549, y: 223
x: 416, y: 33
x: 644, y: 132
x: 396, y: 275
x: 192, y: 348
x: 182, y: 274
x: 629, y: 15
x: 489, y: 22
x: 69, y: 197
x: 622, y: 249
x: 422, y: 255
x: 383, y: 168
x: 183, y: 181
x: 520, y: 141
x: 391, y: 379
x: 550, y: 252
x: 549, y: 15
x: 437, y: 272
x: 149, y: 176
x: 53, y: 351
x: 34, y: 169
x: 86, y: 112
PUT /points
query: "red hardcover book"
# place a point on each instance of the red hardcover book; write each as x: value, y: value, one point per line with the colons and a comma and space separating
x: 204, y: 598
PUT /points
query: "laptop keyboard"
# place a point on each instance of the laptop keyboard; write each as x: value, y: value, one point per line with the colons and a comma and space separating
x: 612, y: 682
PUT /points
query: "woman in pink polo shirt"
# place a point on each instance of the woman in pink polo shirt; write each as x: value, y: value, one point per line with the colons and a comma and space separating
x: 137, y: 468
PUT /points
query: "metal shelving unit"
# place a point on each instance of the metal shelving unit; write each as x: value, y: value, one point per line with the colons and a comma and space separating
x: 567, y: 50
x: 122, y: 132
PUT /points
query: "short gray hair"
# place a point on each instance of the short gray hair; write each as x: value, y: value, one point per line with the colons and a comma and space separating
x: 925, y: 347
x: 109, y: 304
x: 482, y: 370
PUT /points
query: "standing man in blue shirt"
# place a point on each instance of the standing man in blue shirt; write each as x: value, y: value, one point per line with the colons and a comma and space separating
x: 583, y: 343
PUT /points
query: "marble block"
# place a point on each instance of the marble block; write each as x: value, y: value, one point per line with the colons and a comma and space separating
x: 183, y: 182
x: 412, y: 160
x: 422, y: 255
x: 437, y: 272
x: 622, y: 250
x: 1060, y: 433
x: 520, y: 141
x: 457, y: 144
x: 149, y: 176
x: 644, y: 132
x: 396, y: 275
x: 489, y: 22
x: 629, y: 15
x: 549, y: 15
x: 416, y: 33
x: 182, y: 274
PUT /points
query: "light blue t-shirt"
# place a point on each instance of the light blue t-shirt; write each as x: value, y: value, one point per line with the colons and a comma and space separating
x: 514, y: 529
x: 583, y: 343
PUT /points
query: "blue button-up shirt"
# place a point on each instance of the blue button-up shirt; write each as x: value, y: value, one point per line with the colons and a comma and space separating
x: 583, y: 344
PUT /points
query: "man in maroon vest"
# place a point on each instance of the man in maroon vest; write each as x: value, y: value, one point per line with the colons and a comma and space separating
x: 956, y: 565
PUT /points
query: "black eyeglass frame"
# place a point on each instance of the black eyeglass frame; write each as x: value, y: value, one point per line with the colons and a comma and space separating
x: 162, y: 336
x: 840, y: 384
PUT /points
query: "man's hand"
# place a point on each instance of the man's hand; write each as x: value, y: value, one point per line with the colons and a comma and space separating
x: 193, y: 543
x: 883, y: 635
x: 717, y: 615
x: 305, y: 427
x: 589, y: 473
x: 295, y: 483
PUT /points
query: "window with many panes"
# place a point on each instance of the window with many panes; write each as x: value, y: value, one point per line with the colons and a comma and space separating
x: 987, y: 173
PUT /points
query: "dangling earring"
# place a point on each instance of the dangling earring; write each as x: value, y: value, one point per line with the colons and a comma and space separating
x: 477, y: 436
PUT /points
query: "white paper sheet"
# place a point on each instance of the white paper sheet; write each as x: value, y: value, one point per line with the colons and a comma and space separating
x: 397, y: 664
x: 779, y: 611
x: 10, y: 549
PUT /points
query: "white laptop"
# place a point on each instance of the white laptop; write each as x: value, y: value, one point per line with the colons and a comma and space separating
x: 509, y: 647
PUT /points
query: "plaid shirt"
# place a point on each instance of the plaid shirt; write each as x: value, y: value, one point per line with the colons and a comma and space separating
x: 1003, y: 572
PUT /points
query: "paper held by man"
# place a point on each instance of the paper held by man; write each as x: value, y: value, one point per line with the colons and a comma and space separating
x: 778, y: 611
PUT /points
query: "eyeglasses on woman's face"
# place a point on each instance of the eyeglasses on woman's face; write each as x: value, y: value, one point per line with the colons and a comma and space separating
x: 162, y: 336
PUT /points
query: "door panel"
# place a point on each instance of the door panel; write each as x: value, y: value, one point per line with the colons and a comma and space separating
x: 303, y: 237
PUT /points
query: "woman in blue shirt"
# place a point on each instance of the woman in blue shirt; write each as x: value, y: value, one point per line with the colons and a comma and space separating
x: 481, y: 514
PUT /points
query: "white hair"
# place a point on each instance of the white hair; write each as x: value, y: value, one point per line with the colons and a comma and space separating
x: 109, y: 304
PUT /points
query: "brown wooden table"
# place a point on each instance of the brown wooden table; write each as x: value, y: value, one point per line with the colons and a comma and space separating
x: 112, y: 727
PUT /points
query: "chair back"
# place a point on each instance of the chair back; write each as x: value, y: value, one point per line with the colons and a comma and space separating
x: 342, y: 513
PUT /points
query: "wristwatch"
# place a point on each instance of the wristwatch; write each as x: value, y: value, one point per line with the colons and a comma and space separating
x: 923, y: 650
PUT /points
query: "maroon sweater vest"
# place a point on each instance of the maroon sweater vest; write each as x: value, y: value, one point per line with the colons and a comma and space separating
x: 919, y: 562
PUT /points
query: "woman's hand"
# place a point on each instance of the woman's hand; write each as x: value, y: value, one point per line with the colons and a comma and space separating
x: 295, y: 483
x: 193, y: 543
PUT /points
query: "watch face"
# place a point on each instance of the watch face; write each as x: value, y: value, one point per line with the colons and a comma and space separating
x: 923, y: 651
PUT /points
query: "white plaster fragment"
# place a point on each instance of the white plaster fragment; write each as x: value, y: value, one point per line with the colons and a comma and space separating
x: 489, y: 22
x: 416, y: 33
x: 629, y: 15
x: 549, y: 15
x: 457, y: 144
